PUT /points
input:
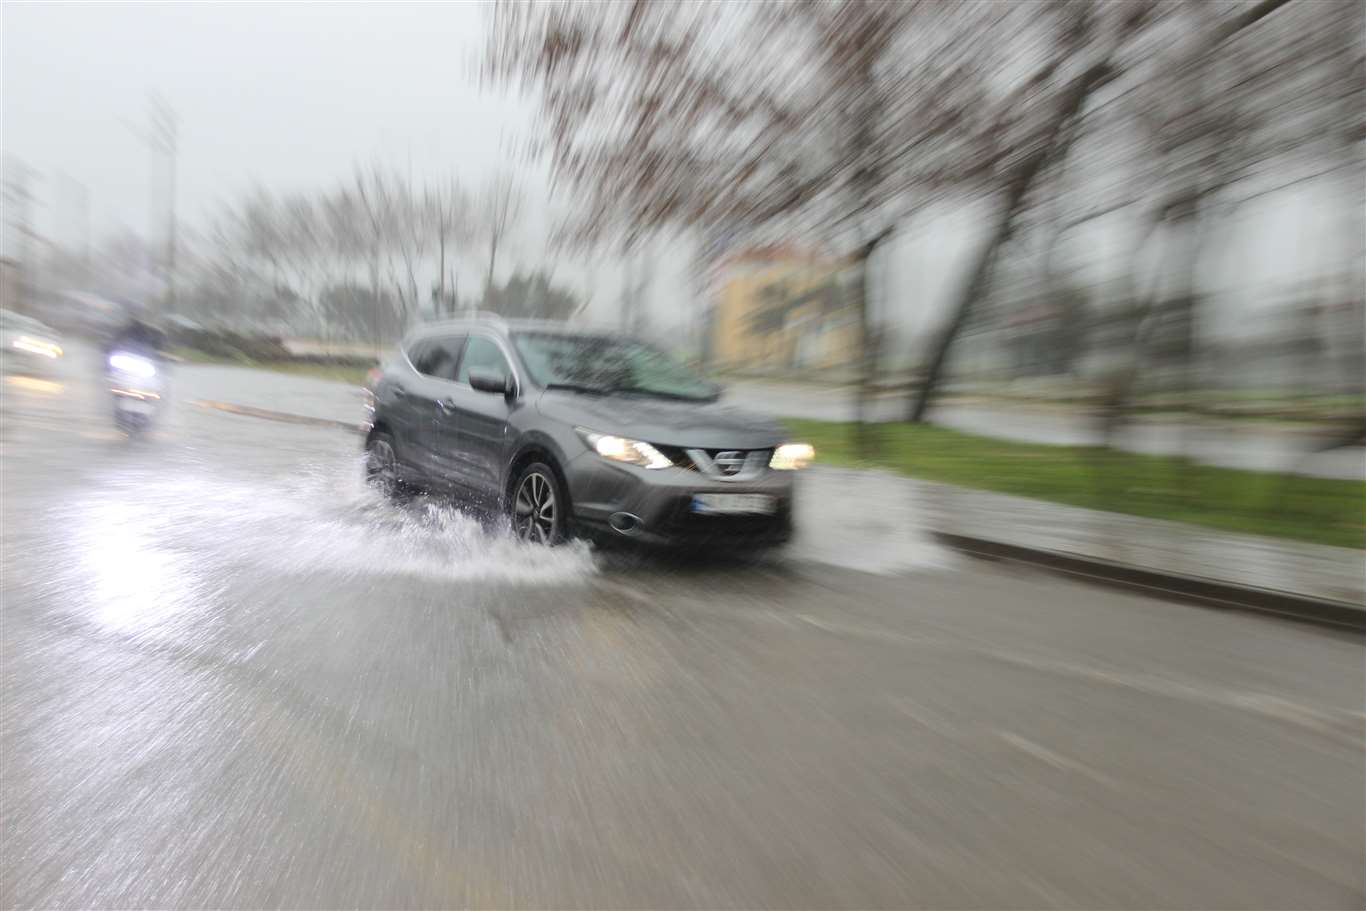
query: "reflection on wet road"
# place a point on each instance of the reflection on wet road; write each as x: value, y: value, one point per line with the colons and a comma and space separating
x: 233, y: 676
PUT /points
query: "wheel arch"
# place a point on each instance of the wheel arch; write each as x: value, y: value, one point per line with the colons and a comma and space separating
x: 538, y: 449
x: 379, y: 426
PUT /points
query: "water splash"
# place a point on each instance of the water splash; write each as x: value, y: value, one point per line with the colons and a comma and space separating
x: 155, y: 549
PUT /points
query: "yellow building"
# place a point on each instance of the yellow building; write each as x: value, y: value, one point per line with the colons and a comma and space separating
x: 779, y: 311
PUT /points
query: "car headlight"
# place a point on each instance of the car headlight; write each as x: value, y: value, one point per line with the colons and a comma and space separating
x: 791, y: 456
x: 37, y: 346
x: 620, y: 449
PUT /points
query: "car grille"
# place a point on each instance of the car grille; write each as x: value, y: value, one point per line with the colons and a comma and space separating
x: 725, y: 464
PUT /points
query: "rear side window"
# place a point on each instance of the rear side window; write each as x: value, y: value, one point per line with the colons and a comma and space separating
x: 482, y: 353
x: 436, y: 357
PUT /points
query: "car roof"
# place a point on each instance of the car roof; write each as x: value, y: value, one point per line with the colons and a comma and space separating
x: 498, y: 324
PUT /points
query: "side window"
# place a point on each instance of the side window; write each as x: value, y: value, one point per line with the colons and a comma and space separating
x: 418, y: 350
x: 437, y: 357
x: 482, y: 353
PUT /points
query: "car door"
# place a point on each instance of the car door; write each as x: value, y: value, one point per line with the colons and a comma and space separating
x: 396, y: 397
x: 473, y: 425
x: 431, y: 383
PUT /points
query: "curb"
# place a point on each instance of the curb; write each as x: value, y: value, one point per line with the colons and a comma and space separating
x: 1340, y: 615
x: 282, y: 416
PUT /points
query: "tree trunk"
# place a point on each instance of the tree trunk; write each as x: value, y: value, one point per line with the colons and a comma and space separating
x: 493, y: 258
x: 441, y: 273
x: 865, y: 442
x: 1015, y: 191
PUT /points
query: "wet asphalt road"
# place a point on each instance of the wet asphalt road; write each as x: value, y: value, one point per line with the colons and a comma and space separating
x: 233, y: 677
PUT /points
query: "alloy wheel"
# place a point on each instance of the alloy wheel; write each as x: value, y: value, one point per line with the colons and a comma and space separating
x: 534, y: 516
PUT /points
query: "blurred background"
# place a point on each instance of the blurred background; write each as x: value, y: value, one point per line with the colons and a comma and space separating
x: 1071, y: 283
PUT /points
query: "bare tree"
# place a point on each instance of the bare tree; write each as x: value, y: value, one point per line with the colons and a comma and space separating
x: 1253, y: 100
x: 807, y: 119
x: 499, y: 209
x: 449, y: 215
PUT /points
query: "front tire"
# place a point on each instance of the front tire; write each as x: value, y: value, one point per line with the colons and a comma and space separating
x: 538, y: 506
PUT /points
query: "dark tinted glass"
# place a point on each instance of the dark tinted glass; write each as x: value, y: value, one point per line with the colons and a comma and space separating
x: 436, y: 356
x: 609, y: 364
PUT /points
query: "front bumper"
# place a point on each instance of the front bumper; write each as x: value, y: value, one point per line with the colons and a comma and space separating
x: 660, y: 502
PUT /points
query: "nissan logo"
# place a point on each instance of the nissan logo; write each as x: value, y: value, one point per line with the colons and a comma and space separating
x: 730, y: 462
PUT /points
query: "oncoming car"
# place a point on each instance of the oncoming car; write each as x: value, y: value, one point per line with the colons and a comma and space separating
x: 579, y: 432
x: 25, y: 344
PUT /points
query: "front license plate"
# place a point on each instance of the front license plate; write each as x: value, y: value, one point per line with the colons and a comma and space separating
x: 718, y: 504
x: 134, y: 406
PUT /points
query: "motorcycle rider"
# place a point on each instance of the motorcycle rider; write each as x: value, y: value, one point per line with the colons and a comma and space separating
x: 138, y: 336
x: 138, y: 391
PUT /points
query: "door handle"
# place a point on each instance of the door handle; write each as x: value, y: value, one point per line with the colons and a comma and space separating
x: 399, y: 392
x: 446, y: 405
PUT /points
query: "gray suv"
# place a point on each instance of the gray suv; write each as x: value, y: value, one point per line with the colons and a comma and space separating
x: 578, y: 432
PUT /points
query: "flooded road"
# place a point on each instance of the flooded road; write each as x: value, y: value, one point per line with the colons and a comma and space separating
x: 235, y: 677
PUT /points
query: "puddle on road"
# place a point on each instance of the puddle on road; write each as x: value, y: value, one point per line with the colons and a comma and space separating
x: 153, y: 545
x: 144, y: 551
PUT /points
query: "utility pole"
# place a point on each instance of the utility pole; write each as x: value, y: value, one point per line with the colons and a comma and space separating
x: 161, y: 137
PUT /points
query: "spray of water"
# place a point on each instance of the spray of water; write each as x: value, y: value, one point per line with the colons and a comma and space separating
x: 155, y: 549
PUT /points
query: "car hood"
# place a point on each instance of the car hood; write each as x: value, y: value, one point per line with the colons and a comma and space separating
x: 666, y: 422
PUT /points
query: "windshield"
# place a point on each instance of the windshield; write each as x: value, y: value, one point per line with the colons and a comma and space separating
x: 605, y: 363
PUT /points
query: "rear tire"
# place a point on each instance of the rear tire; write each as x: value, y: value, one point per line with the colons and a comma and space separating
x: 381, y: 465
x: 538, y: 506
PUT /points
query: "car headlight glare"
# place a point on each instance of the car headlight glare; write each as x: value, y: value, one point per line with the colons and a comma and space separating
x: 37, y: 346
x: 620, y: 449
x: 791, y: 456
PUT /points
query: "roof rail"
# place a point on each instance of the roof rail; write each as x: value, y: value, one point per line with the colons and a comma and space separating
x: 463, y: 315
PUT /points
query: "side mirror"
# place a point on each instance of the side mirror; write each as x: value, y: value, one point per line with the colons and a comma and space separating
x: 485, y: 380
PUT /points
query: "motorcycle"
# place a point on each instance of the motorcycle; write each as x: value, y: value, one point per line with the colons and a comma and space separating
x: 138, y: 385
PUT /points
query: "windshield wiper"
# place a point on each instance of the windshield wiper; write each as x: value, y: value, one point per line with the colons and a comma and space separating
x: 661, y: 394
x: 579, y: 387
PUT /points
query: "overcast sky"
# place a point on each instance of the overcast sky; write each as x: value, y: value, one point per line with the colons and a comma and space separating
x: 291, y: 95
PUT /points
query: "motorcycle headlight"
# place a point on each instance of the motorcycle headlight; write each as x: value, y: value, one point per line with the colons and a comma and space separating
x: 620, y: 449
x: 132, y: 365
x: 791, y: 456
